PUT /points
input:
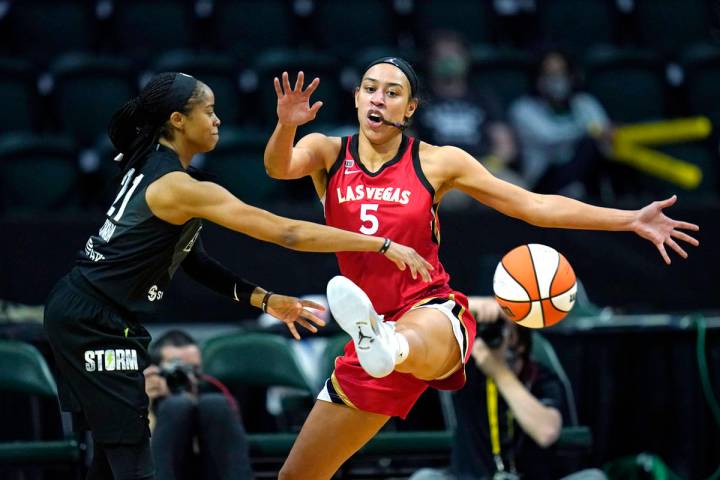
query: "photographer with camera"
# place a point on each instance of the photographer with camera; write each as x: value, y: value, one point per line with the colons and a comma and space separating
x: 510, y: 410
x: 196, y: 433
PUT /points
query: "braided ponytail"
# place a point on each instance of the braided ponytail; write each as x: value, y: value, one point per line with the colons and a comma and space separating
x: 136, y: 127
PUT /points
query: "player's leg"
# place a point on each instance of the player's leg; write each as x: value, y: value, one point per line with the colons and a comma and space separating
x: 433, y: 351
x: 424, y: 342
x: 331, y: 434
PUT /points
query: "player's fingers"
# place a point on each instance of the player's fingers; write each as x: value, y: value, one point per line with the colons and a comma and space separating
x: 307, y: 325
x: 286, y: 83
x: 685, y: 238
x: 413, y: 270
x: 316, y: 106
x: 293, y: 331
x: 311, y: 304
x: 663, y: 253
x: 423, y: 271
x: 308, y: 315
x: 668, y: 201
x: 299, y: 82
x: 312, y: 87
x: 678, y: 249
x: 278, y: 90
x: 687, y: 226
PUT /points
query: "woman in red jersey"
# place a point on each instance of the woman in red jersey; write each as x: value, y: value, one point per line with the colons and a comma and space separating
x: 381, y: 182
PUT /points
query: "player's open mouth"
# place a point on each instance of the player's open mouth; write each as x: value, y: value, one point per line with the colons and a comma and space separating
x: 375, y: 119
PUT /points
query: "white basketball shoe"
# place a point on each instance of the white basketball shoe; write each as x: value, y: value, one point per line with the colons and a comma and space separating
x: 377, y: 345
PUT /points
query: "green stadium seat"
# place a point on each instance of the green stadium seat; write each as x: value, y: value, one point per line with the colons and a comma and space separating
x: 628, y: 83
x: 39, y: 174
x: 141, y: 28
x: 469, y: 18
x: 87, y: 91
x: 271, y: 63
x: 574, y: 29
x: 41, y: 29
x: 237, y: 161
x: 25, y: 372
x: 249, y: 363
x: 343, y: 27
x: 262, y: 359
x: 18, y: 96
x: 501, y: 71
x: 217, y: 70
x: 669, y: 26
x: 573, y: 436
x: 248, y: 26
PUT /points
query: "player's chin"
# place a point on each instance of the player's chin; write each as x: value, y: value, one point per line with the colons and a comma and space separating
x: 212, y: 142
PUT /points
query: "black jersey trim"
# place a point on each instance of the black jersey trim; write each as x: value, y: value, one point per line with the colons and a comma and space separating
x: 419, y: 171
x: 338, y: 161
x: 354, y: 142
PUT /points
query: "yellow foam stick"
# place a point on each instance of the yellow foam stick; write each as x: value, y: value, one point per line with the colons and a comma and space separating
x: 658, y: 164
x: 665, y: 131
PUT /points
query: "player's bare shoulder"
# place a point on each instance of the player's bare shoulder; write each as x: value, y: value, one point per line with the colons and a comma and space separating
x: 439, y: 162
x: 321, y: 146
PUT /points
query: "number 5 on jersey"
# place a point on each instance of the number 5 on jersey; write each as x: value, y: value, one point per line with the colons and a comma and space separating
x: 366, y: 217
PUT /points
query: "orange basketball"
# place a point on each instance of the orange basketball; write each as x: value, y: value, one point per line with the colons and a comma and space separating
x: 535, y: 285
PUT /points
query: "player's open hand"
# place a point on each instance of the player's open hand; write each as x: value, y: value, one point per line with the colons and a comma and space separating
x: 291, y: 310
x: 652, y: 224
x: 404, y: 257
x: 293, y: 107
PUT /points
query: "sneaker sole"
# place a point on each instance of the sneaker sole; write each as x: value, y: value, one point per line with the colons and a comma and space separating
x: 353, y: 311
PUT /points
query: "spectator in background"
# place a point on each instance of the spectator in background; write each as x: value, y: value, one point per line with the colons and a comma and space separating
x: 197, y: 430
x: 525, y: 400
x: 563, y: 133
x: 457, y: 115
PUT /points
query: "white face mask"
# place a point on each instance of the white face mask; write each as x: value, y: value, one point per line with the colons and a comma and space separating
x: 555, y: 87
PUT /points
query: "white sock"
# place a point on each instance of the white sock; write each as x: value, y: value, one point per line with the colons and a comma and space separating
x: 403, y: 349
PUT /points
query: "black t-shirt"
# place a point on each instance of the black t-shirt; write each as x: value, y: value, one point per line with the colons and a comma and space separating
x: 461, y: 122
x: 135, y: 254
x: 472, y: 457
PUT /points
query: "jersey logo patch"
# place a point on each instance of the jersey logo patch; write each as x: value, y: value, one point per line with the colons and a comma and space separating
x: 349, y: 164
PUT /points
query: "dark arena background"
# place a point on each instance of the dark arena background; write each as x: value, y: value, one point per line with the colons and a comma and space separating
x: 639, y: 354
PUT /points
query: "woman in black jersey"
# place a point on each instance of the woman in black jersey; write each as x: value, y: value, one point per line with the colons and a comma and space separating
x: 151, y: 229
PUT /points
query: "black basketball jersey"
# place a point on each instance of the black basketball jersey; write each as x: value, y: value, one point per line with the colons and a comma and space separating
x: 135, y: 254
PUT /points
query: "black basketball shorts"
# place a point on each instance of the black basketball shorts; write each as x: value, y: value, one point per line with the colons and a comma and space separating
x: 101, y: 354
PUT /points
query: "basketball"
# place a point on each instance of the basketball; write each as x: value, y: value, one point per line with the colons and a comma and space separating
x: 535, y: 285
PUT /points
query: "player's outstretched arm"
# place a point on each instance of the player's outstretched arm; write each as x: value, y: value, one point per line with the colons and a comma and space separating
x: 176, y: 198
x: 555, y: 211
x: 282, y: 159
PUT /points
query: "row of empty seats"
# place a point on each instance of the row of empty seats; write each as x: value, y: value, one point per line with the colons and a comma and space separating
x: 247, y: 363
x: 79, y: 92
x: 140, y: 27
x: 49, y: 174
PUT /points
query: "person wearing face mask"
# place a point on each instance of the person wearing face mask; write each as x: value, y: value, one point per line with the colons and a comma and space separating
x: 563, y: 133
x: 457, y: 115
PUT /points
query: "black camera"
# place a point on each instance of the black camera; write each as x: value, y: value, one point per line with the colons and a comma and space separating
x: 180, y: 376
x: 492, y: 333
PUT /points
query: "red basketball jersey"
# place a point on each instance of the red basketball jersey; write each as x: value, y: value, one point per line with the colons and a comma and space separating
x: 394, y: 202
